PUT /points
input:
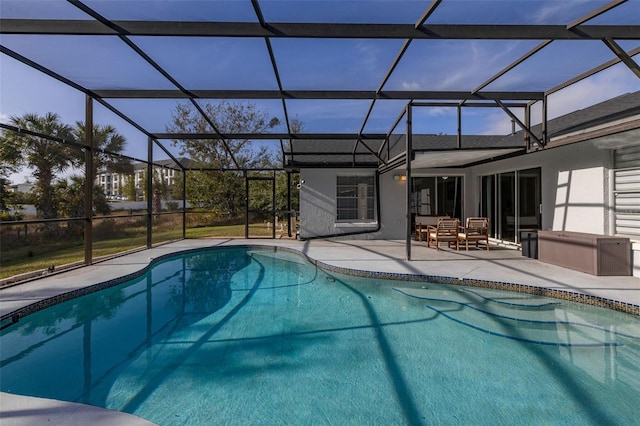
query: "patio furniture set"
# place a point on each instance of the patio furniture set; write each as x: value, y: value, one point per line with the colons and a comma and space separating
x: 448, y: 230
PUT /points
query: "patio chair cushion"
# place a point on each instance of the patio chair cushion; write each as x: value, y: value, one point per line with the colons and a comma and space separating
x: 447, y: 231
x: 477, y: 230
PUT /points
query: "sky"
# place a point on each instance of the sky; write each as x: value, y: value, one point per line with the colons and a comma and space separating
x: 334, y: 64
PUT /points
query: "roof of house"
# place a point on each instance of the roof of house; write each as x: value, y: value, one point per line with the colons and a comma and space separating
x: 447, y: 151
x: 623, y: 106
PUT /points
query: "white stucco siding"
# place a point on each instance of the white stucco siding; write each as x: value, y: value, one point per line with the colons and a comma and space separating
x: 394, y: 199
x: 574, y: 193
x: 393, y: 207
x: 573, y: 185
x: 579, y: 203
x: 318, y: 204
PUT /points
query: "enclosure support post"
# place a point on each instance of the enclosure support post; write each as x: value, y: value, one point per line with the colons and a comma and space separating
x: 289, y: 204
x: 88, y: 182
x: 544, y: 121
x: 408, y: 153
x: 149, y: 193
x: 459, y: 135
x: 273, y: 205
x: 184, y: 203
x: 527, y: 123
x: 246, y: 205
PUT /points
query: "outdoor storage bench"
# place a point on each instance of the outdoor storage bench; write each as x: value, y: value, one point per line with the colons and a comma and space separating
x: 590, y: 253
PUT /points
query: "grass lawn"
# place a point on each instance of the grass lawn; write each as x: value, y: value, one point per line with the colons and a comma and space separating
x: 35, y: 258
x: 229, y: 231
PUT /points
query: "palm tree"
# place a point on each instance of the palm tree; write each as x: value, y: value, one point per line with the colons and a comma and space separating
x: 45, y: 156
x: 105, y: 138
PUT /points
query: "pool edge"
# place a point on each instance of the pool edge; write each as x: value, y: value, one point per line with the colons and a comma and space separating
x: 13, y: 317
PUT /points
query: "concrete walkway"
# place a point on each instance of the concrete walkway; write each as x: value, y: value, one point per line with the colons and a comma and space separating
x: 499, y: 264
x: 16, y: 410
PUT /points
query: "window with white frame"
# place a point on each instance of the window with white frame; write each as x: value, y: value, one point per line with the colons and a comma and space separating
x: 355, y: 198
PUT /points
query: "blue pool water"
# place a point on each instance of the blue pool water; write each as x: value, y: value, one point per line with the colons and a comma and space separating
x: 260, y: 336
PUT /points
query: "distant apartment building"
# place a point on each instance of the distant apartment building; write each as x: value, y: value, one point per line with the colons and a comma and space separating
x: 113, y: 184
x: 23, y: 188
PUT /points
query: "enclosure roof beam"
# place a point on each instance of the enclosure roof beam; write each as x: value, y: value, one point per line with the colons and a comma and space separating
x: 272, y: 136
x: 511, y: 66
x: 432, y: 8
x: 623, y: 56
x: 599, y: 11
x: 321, y: 94
x: 123, y: 35
x: 318, y: 30
x: 591, y: 72
x: 274, y: 66
x: 520, y: 123
x: 72, y: 84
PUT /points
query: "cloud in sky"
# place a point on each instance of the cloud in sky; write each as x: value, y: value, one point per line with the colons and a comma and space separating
x: 552, y: 10
x: 410, y: 85
x: 614, y: 82
x: 605, y: 85
x: 454, y: 64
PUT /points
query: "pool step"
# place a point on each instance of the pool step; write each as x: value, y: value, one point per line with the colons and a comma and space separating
x: 516, y: 316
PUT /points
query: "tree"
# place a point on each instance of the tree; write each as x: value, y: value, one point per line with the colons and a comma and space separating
x: 105, y: 138
x: 70, y: 198
x: 177, y: 191
x: 222, y: 191
x: 10, y: 156
x: 130, y: 190
x: 281, y: 191
x: 7, y: 198
x: 46, y: 156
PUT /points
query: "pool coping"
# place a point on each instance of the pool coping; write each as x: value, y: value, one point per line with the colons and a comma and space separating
x: 13, y: 317
x: 70, y: 412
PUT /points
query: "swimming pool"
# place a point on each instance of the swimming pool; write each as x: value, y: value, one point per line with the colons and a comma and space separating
x: 260, y: 336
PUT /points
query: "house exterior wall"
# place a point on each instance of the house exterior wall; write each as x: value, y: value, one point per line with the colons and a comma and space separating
x: 394, y: 199
x: 393, y: 205
x: 574, y: 193
x: 318, y: 206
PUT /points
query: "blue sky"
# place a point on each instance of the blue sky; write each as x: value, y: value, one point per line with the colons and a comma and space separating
x: 337, y: 64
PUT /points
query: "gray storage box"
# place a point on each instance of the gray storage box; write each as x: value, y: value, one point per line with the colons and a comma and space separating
x: 590, y: 253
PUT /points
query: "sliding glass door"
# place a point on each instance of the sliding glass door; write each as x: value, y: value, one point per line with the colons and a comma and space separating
x: 507, y: 202
x: 449, y: 196
x: 437, y: 196
x: 489, y: 202
x: 512, y: 202
x: 529, y: 200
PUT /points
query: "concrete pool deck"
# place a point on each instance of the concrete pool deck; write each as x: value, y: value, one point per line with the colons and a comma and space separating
x: 499, y: 264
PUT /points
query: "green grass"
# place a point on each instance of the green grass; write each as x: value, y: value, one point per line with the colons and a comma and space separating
x: 30, y: 259
x: 228, y: 231
x: 34, y: 258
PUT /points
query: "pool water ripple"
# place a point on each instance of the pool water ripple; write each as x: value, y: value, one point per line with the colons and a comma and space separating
x: 259, y: 336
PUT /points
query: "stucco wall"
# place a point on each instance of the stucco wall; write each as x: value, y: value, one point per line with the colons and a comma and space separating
x: 318, y: 205
x: 574, y: 197
x: 393, y: 202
